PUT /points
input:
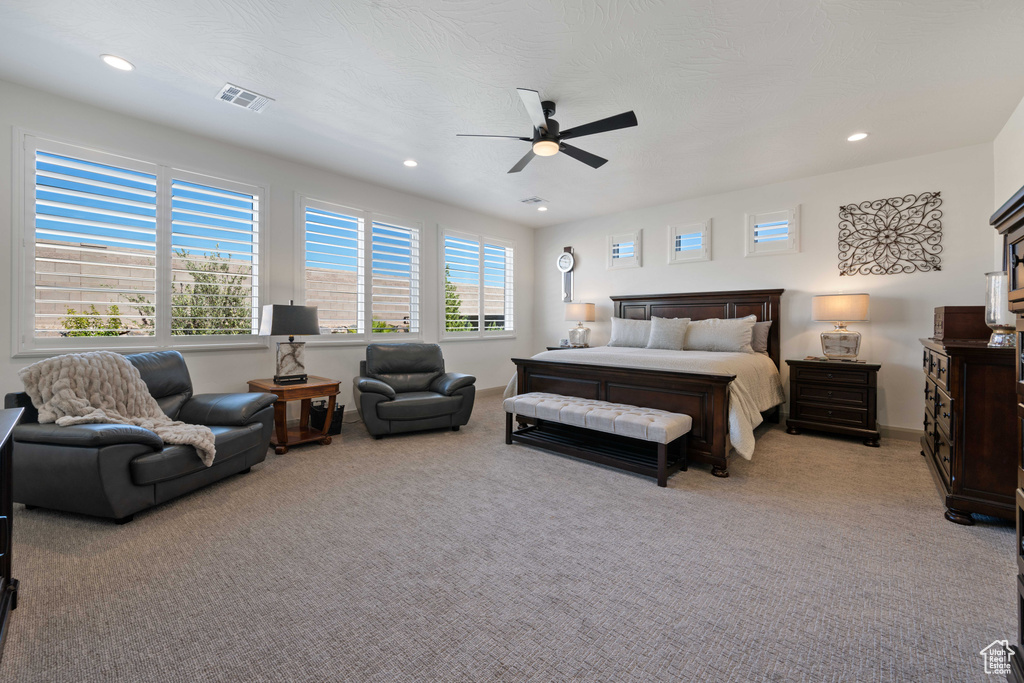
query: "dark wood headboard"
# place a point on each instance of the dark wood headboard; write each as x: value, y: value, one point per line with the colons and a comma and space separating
x: 764, y: 303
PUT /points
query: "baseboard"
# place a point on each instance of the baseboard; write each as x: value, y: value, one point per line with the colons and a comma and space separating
x: 492, y: 391
x: 887, y: 432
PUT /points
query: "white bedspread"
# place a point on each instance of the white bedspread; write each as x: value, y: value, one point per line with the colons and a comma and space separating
x: 757, y: 386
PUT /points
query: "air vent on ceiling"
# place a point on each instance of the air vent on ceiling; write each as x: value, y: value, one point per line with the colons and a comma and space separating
x: 244, y: 98
x: 533, y: 200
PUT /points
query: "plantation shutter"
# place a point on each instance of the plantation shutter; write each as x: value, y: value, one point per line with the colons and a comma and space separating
x: 498, y: 304
x: 214, y: 261
x: 773, y: 232
x: 462, y: 284
x: 395, y: 267
x: 334, y: 269
x: 689, y: 242
x: 94, y: 245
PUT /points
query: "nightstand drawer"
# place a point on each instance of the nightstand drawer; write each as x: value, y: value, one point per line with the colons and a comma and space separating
x: 846, y: 417
x: 839, y: 396
x: 852, y: 375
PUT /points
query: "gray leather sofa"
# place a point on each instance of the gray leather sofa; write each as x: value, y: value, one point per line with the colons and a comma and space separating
x: 404, y: 388
x: 115, y: 470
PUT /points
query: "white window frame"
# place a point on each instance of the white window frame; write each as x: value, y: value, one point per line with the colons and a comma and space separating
x: 791, y: 245
x: 689, y: 256
x: 24, y: 343
x: 365, y: 288
x: 482, y: 241
x: 634, y: 261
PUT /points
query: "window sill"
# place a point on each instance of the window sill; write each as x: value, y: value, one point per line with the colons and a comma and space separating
x: 184, y: 348
x: 477, y: 338
x: 361, y: 340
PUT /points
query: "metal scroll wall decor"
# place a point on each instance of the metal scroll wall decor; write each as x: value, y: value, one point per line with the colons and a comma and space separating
x: 889, y: 236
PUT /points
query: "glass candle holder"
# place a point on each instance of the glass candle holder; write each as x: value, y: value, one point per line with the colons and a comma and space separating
x: 997, y: 310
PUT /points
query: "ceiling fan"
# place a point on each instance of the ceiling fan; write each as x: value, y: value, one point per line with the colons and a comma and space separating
x: 547, y: 140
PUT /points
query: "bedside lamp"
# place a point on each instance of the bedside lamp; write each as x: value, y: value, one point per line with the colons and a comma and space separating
x: 580, y: 335
x: 279, y: 320
x: 839, y: 309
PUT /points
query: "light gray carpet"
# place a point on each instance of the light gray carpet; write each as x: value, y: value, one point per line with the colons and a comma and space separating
x: 450, y: 556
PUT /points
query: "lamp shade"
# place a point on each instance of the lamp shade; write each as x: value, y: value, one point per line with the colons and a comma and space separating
x: 283, y: 319
x: 849, y: 308
x: 580, y: 312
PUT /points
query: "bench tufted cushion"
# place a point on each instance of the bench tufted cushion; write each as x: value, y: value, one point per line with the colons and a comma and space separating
x: 647, y: 424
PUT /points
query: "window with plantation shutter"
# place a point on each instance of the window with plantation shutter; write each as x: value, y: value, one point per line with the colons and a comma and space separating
x: 691, y: 242
x: 94, y: 247
x: 395, y: 290
x: 215, y: 259
x: 773, y: 232
x: 362, y: 271
x: 122, y: 253
x: 334, y: 269
x: 624, y: 250
x: 478, y: 286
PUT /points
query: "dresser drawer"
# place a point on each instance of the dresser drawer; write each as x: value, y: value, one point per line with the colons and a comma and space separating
x: 846, y: 417
x: 931, y: 393
x: 944, y: 411
x: 928, y: 440
x: 839, y: 396
x: 940, y: 369
x: 853, y: 376
x: 943, y: 455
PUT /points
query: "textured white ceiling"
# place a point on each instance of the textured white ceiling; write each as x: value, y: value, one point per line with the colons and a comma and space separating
x: 729, y: 93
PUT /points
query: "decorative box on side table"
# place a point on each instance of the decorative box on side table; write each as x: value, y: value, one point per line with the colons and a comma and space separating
x: 316, y: 387
x: 833, y: 396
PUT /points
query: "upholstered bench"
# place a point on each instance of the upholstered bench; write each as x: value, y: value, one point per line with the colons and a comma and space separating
x: 667, y: 430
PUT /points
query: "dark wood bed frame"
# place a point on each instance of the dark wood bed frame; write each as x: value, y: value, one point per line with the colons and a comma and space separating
x: 702, y: 396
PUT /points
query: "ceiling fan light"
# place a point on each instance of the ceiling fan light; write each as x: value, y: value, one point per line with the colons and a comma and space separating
x: 545, y: 148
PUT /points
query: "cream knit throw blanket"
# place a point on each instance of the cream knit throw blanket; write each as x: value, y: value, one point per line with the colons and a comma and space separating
x: 102, y: 386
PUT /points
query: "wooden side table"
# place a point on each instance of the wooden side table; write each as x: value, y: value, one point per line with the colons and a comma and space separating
x: 317, y: 387
x: 834, y: 396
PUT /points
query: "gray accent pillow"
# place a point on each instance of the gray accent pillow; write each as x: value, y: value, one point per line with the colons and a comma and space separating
x: 720, y: 334
x: 630, y: 332
x: 667, y: 333
x: 759, y: 340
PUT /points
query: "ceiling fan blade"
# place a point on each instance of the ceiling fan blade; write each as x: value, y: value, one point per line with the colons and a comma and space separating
x: 578, y: 154
x: 531, y: 100
x: 509, y: 137
x: 603, y: 126
x: 523, y: 162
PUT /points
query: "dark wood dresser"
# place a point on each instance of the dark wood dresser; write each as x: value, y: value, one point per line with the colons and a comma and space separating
x: 1009, y: 221
x: 968, y: 417
x: 8, y: 585
x: 833, y: 396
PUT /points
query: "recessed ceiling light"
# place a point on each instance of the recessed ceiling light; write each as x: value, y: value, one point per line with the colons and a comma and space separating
x: 117, y: 62
x: 410, y: 163
x: 856, y: 136
x: 542, y: 208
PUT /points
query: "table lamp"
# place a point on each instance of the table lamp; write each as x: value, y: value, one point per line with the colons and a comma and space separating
x: 839, y: 309
x: 290, y: 320
x: 580, y: 335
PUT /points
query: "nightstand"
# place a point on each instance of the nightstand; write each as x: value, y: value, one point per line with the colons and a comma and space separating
x: 833, y: 396
x: 559, y: 348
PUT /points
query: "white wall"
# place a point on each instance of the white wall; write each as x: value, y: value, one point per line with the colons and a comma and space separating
x: 902, y: 306
x: 53, y: 116
x: 1008, y: 157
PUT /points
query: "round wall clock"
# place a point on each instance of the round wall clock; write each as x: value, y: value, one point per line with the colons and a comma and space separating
x: 566, y: 261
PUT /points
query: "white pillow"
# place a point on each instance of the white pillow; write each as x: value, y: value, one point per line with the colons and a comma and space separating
x: 720, y: 334
x: 667, y: 333
x: 759, y: 340
x: 630, y: 332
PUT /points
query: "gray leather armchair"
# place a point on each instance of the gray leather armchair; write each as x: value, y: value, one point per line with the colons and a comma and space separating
x: 115, y: 470
x: 404, y: 388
